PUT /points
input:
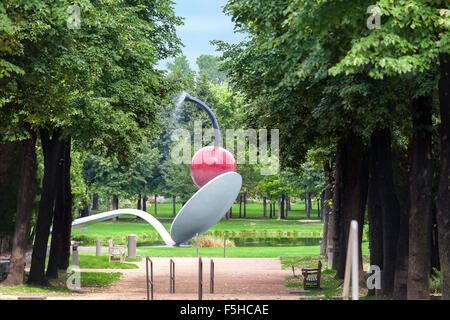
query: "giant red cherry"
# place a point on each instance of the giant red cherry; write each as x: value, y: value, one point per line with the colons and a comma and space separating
x: 209, y: 162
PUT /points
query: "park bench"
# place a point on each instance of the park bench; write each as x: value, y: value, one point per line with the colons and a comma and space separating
x: 4, y: 267
x: 311, y: 277
x: 115, y: 251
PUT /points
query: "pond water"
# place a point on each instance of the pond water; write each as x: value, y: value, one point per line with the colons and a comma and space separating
x: 259, y: 240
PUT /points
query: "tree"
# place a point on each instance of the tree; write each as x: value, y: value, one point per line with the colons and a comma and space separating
x: 414, y: 40
x: 295, y: 50
x: 181, y: 72
x: 61, y: 101
x: 211, y: 66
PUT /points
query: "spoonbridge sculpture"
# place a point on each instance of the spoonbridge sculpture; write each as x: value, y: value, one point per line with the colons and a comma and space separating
x: 213, y: 170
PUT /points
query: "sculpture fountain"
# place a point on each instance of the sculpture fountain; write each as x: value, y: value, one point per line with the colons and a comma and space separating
x: 213, y: 170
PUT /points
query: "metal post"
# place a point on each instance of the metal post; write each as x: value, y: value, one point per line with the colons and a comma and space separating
x: 352, y: 263
x: 132, y: 246
x: 146, y: 276
x: 172, y: 276
x: 98, y: 248
x: 75, y: 254
x: 211, y: 277
x: 147, y: 260
x: 200, y: 278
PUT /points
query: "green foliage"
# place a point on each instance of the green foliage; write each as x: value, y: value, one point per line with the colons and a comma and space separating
x: 99, y: 83
x: 411, y: 36
x: 288, y: 70
x: 211, y: 66
x: 435, y: 280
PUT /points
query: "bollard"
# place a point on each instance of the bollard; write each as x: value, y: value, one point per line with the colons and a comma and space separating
x: 200, y: 278
x: 132, y: 246
x: 196, y: 242
x: 75, y: 254
x: 172, y: 277
x: 211, y: 277
x: 98, y: 248
x: 149, y: 281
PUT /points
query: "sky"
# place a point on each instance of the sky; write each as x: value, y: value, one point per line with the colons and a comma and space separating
x: 203, y: 21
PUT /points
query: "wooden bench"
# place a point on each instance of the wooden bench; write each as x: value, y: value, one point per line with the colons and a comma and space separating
x: 311, y: 277
x: 115, y: 251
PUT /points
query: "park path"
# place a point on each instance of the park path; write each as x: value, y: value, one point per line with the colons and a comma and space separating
x: 235, y: 278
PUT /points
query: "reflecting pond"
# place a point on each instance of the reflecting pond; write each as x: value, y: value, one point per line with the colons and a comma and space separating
x: 254, y: 239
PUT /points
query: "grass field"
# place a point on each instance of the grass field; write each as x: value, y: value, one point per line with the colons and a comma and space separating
x: 237, y: 252
x: 253, y: 210
x: 254, y: 225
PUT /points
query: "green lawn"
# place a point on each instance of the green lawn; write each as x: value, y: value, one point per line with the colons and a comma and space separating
x: 253, y: 211
x: 237, y: 252
x: 90, y: 280
x: 88, y: 260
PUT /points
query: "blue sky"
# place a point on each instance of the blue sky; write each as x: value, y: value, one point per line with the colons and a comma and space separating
x: 203, y: 21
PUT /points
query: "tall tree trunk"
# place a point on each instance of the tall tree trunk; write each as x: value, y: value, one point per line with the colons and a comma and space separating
x: 383, y: 184
x: 64, y: 258
x: 327, y: 195
x: 443, y: 197
x: 115, y: 202
x: 270, y: 210
x: 95, y: 202
x: 281, y: 207
x: 139, y: 202
x: 245, y: 204
x: 286, y: 204
x: 375, y: 218
x: 51, y: 149
x: 308, y: 204
x: 108, y: 203
x: 240, y: 205
x: 144, y: 203
x: 264, y: 207
x: 58, y: 217
x: 174, y: 206
x: 318, y: 207
x: 25, y: 197
x: 353, y: 166
x: 434, y: 261
x: 402, y: 169
x: 62, y: 216
x: 401, y: 264
x: 421, y: 202
x: 11, y: 154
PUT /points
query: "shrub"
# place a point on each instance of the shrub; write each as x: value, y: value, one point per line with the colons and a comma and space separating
x: 212, y: 242
x: 435, y: 281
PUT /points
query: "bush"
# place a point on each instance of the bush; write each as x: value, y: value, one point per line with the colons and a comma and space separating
x: 435, y: 281
x: 212, y: 242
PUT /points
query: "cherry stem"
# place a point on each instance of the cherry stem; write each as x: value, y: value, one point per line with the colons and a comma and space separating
x: 211, y: 116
